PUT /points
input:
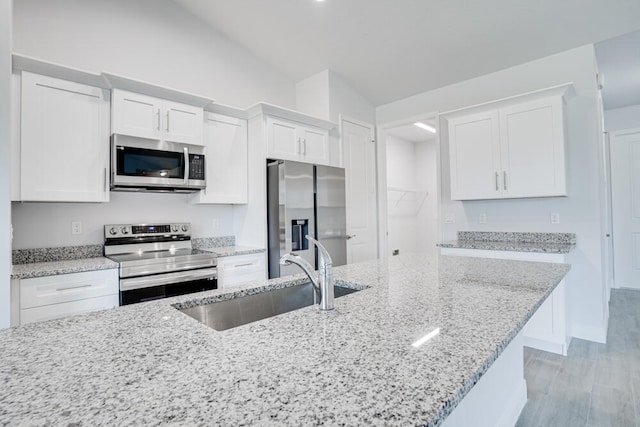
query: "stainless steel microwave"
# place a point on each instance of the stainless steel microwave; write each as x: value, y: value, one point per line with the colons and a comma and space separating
x: 139, y: 164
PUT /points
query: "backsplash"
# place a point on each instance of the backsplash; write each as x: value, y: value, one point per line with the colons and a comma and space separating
x: 68, y: 253
x: 502, y: 236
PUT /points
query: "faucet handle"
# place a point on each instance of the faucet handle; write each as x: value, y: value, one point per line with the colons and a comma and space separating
x: 324, y: 253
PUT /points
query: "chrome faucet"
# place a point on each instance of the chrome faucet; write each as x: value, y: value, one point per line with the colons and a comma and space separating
x: 323, y: 281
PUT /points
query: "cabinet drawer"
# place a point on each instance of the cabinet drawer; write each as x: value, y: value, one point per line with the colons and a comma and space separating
x: 236, y: 270
x: 41, y: 291
x: 56, y: 311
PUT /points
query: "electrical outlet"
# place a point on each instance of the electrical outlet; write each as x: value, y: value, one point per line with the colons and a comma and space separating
x: 554, y: 217
x: 396, y: 251
x: 482, y: 219
x: 76, y: 227
x: 449, y: 219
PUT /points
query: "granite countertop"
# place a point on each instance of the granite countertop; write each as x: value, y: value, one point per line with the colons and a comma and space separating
x: 149, y: 364
x: 51, y: 268
x: 557, y: 243
x: 542, y: 247
x: 224, y: 251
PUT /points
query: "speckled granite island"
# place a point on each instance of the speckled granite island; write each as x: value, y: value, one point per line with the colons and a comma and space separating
x: 150, y: 364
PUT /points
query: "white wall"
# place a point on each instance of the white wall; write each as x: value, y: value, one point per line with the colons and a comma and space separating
x: 622, y: 118
x: 579, y: 212
x: 150, y: 40
x: 39, y: 225
x: 326, y: 95
x: 5, y: 156
x: 312, y: 95
x: 411, y: 227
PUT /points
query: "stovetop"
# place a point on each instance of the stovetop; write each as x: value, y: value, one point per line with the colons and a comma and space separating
x: 160, y: 256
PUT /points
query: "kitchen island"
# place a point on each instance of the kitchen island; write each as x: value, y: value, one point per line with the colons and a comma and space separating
x: 150, y: 364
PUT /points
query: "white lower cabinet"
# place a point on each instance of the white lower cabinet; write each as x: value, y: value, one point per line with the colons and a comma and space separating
x: 239, y: 269
x: 547, y: 328
x: 51, y: 297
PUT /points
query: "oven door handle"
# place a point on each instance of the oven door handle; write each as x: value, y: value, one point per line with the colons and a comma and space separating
x: 166, y: 279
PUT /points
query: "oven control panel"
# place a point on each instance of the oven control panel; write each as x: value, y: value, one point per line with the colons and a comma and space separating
x: 113, y: 231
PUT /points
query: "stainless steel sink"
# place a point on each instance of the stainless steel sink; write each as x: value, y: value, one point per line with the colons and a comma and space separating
x: 239, y: 311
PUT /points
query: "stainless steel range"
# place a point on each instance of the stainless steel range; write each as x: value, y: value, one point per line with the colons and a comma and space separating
x: 157, y: 261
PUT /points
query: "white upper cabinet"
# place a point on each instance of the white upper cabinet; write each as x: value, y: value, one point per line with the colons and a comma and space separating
x: 533, y: 149
x: 149, y: 117
x: 290, y: 140
x: 226, y: 160
x: 474, y: 149
x: 514, y: 150
x: 64, y: 141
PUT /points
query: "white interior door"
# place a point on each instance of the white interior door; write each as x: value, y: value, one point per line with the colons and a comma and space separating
x: 360, y: 175
x: 625, y: 193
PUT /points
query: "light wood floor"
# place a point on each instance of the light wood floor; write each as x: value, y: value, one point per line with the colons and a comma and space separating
x: 596, y: 385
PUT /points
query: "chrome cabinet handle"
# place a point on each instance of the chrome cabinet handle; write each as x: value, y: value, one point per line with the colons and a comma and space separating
x: 504, y: 180
x: 158, y: 120
x: 73, y: 287
x: 304, y: 147
x: 497, y: 182
x: 244, y: 265
x: 167, y: 121
x: 350, y: 236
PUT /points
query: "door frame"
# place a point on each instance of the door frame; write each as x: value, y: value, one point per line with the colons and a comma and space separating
x: 381, y: 144
x: 345, y: 118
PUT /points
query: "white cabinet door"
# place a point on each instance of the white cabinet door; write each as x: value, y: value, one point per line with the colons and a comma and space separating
x: 240, y: 269
x: 532, y: 149
x: 474, y: 150
x: 64, y: 141
x: 148, y: 117
x: 315, y: 145
x: 287, y: 140
x: 226, y: 160
x: 282, y: 139
x: 182, y: 123
x: 136, y: 115
x: 71, y: 308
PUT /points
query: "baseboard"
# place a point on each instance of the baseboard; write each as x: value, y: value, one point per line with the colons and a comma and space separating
x: 590, y: 333
x: 550, y: 346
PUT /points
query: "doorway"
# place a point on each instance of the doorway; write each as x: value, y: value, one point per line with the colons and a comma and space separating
x: 411, y: 186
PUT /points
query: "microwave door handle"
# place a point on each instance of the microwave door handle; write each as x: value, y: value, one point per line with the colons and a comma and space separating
x: 186, y: 165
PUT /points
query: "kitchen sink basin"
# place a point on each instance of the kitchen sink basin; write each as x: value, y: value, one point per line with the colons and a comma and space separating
x: 227, y: 314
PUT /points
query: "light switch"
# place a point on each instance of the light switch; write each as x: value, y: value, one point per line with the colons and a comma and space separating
x: 555, y: 218
x: 482, y: 219
x: 449, y: 219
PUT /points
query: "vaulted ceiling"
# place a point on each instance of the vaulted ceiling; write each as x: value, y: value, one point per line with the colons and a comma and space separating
x: 390, y: 49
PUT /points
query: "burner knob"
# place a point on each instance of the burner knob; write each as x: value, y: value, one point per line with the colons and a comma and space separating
x: 113, y: 231
x: 124, y: 230
x: 174, y: 228
x: 185, y: 228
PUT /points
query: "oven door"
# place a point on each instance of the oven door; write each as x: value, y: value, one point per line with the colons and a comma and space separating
x: 138, y: 162
x: 148, y: 288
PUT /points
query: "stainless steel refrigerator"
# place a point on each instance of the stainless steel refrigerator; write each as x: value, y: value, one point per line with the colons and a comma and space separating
x: 304, y: 199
